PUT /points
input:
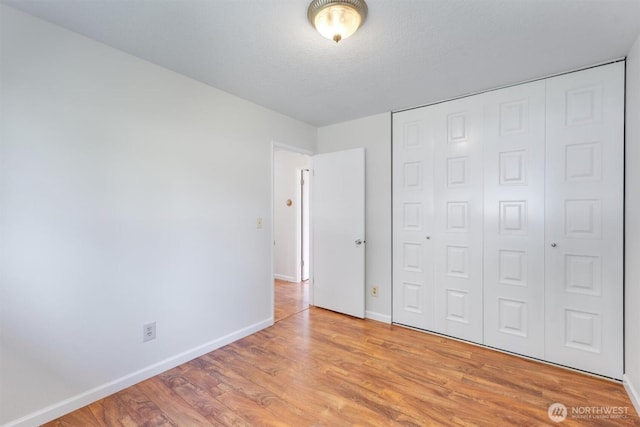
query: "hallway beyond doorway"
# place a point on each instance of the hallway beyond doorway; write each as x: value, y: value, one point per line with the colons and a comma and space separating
x: 290, y: 298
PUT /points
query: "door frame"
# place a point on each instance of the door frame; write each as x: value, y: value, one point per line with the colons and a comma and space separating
x: 277, y: 146
x: 301, y: 213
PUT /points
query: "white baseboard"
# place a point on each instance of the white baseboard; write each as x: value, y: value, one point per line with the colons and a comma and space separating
x: 634, y: 393
x: 83, y: 399
x: 384, y: 318
x: 285, y: 278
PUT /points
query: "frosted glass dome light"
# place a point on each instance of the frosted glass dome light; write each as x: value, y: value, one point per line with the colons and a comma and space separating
x: 337, y: 19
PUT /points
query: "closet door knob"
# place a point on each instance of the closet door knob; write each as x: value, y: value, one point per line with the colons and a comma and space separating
x: 553, y: 245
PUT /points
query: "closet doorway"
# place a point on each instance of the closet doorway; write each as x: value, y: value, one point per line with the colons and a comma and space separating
x: 508, y: 225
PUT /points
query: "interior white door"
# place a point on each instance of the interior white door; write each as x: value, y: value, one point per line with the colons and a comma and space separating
x: 338, y: 219
x: 584, y: 227
x: 514, y: 152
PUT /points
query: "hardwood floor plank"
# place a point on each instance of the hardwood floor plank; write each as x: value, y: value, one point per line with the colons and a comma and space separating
x: 255, y: 414
x: 191, y: 375
x: 206, y: 405
x: 237, y: 381
x: 322, y: 398
x: 313, y: 373
x: 290, y: 298
x: 111, y: 411
x: 199, y: 390
x: 81, y: 417
x: 293, y: 385
x: 177, y: 409
x: 143, y: 410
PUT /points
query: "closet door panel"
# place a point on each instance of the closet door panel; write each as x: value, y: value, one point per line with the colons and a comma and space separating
x: 584, y: 210
x: 413, y: 291
x: 514, y: 150
x: 457, y: 221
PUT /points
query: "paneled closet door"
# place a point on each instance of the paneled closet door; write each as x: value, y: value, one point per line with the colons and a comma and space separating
x: 413, y: 290
x: 457, y: 226
x: 584, y: 211
x: 514, y: 144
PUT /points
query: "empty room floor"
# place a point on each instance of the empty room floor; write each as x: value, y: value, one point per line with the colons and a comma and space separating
x: 317, y: 367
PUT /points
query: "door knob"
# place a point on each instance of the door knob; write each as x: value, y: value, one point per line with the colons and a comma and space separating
x: 553, y: 245
x: 360, y: 241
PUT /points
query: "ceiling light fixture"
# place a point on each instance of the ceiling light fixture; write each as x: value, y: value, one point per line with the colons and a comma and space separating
x: 337, y: 19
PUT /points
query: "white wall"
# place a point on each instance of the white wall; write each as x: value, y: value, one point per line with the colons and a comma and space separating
x: 373, y: 133
x: 632, y: 227
x: 129, y: 194
x: 286, y: 219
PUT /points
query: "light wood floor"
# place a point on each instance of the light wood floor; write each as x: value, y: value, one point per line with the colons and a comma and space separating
x: 316, y: 367
x: 290, y: 298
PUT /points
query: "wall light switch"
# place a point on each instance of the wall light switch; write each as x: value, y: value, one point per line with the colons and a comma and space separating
x: 259, y: 222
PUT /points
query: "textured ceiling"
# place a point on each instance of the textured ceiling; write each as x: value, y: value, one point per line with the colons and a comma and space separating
x: 408, y: 53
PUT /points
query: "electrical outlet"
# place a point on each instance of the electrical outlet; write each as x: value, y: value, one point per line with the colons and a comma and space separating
x: 149, y: 331
x: 259, y: 222
x: 374, y: 291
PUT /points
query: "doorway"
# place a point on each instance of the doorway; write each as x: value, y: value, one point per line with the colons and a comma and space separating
x: 290, y: 298
x: 290, y: 230
x: 336, y: 251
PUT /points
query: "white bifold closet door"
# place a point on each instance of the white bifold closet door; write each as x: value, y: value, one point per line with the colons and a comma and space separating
x: 514, y: 153
x: 438, y: 226
x: 414, y: 294
x: 508, y: 216
x: 457, y: 220
x: 584, y: 220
